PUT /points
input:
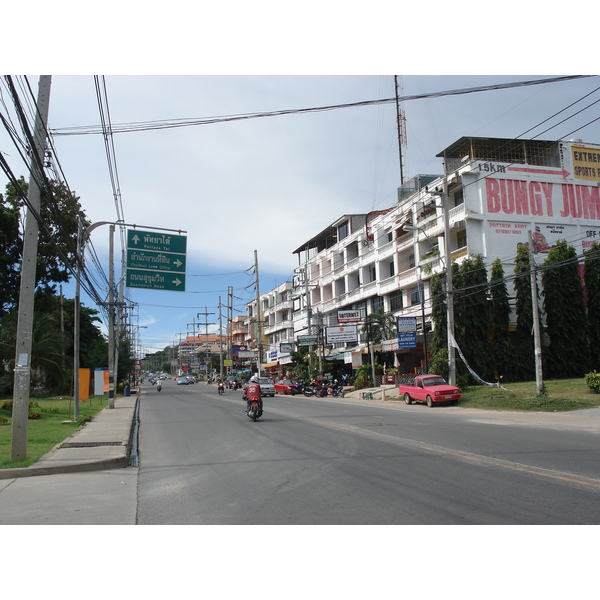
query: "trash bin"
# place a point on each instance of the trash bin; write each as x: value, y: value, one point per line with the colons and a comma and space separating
x: 127, y: 391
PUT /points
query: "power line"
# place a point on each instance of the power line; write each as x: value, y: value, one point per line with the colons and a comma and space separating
x: 173, y: 123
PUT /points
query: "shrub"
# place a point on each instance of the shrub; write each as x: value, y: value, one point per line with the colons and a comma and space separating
x: 592, y: 380
x: 35, y: 415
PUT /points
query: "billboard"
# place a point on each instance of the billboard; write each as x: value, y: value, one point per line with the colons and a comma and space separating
x: 554, y: 203
x: 341, y: 334
x: 350, y: 316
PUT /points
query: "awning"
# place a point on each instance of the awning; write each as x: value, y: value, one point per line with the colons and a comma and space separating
x: 269, y: 365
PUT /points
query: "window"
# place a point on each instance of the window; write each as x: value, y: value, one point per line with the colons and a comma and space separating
x: 396, y: 301
x: 376, y: 303
x: 461, y: 238
x: 415, y: 296
x: 342, y: 231
x: 392, y: 270
x: 459, y: 198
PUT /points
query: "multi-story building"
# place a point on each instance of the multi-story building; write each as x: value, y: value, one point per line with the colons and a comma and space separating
x: 494, y: 193
x: 189, y: 349
x: 239, y: 331
x: 276, y: 325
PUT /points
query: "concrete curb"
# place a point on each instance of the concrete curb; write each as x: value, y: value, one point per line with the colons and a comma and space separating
x: 104, y: 443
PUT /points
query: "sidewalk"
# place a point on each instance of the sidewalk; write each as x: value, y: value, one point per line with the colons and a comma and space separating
x: 104, y: 443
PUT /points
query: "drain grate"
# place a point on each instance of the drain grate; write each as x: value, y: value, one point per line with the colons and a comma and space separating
x: 89, y: 444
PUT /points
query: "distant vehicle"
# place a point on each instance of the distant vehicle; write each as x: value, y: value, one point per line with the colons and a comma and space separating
x: 190, y: 379
x: 288, y: 386
x: 267, y: 387
x: 182, y: 381
x: 230, y: 379
x: 431, y: 389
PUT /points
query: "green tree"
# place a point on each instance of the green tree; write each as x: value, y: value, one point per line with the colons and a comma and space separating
x: 566, y: 321
x: 592, y: 287
x: 57, y: 242
x: 523, y: 360
x: 10, y: 255
x: 379, y: 326
x: 47, y: 350
x: 439, y: 317
x: 471, y: 311
x: 500, y: 321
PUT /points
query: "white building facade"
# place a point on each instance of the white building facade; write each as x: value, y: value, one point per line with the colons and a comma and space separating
x: 495, y: 192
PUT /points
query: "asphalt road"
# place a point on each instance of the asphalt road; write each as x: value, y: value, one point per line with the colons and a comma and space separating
x: 312, y: 461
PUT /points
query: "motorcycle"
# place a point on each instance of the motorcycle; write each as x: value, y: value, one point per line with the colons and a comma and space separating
x: 337, y: 391
x: 254, y: 410
x: 158, y: 386
x: 221, y: 389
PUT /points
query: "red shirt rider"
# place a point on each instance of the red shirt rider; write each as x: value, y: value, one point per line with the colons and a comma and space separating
x: 253, y: 391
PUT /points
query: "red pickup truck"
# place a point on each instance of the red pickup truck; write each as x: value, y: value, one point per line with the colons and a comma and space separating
x: 430, y: 389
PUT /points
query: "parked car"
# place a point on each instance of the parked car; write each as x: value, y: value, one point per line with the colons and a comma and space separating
x: 431, y: 389
x: 182, y: 381
x: 288, y: 386
x: 267, y: 387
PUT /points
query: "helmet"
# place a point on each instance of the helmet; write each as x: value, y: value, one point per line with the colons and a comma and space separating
x: 254, y: 379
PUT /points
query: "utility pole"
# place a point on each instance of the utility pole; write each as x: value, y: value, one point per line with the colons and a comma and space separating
x: 22, y: 379
x: 220, y: 341
x: 230, y: 322
x: 206, y: 323
x: 77, y: 320
x: 111, y: 318
x: 449, y: 291
x: 308, y: 317
x: 257, y: 323
x: 537, y: 338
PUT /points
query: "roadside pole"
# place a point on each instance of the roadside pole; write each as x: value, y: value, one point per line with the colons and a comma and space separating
x: 537, y: 338
x: 22, y: 379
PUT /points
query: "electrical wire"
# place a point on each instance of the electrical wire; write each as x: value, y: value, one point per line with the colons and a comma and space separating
x: 174, y: 123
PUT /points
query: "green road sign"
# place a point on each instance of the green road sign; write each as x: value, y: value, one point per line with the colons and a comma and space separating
x: 155, y: 261
x: 159, y: 242
x: 155, y: 280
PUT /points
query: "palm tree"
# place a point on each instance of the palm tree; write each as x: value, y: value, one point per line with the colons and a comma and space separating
x: 379, y: 326
x: 47, y: 349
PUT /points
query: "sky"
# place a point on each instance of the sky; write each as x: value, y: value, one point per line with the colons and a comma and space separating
x: 266, y: 184
x: 270, y: 184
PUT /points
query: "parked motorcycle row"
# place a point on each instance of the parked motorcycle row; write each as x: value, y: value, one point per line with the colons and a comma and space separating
x: 322, y: 390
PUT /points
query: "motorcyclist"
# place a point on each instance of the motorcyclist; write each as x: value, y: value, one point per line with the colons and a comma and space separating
x: 159, y: 385
x: 253, y: 391
x: 220, y: 386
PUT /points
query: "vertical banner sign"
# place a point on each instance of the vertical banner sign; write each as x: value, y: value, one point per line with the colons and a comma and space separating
x: 407, y: 332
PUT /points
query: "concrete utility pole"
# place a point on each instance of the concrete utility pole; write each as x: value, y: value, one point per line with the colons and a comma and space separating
x: 111, y: 318
x: 537, y: 338
x: 220, y: 341
x: 449, y: 291
x: 257, y: 317
x: 22, y: 379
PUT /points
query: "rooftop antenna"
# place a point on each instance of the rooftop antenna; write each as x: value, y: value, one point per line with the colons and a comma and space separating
x: 401, y: 123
